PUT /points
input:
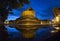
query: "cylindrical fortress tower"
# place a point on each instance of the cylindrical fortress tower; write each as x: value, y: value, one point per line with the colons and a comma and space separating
x: 28, y: 13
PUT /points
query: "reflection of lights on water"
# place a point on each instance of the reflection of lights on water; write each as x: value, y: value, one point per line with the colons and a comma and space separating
x: 57, y: 28
x: 54, y: 31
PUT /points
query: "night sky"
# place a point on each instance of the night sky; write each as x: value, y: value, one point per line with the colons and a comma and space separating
x: 43, y: 10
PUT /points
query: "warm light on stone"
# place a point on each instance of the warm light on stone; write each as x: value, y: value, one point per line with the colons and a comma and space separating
x: 57, y: 28
x: 54, y: 31
x: 28, y: 13
x: 57, y: 19
x: 6, y: 22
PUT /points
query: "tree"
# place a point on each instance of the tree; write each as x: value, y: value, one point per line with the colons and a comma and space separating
x: 11, y: 4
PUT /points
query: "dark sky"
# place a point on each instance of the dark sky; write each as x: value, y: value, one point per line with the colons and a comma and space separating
x: 43, y: 10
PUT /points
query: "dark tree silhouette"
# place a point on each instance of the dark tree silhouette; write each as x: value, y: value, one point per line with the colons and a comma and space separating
x: 11, y: 4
